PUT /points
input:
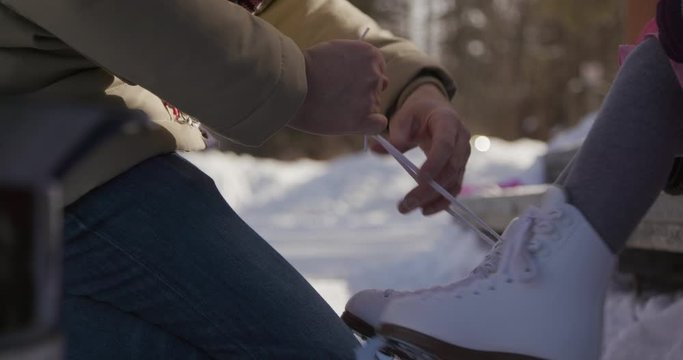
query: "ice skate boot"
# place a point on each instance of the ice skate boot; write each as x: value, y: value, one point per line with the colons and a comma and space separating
x: 544, y: 300
x: 363, y: 310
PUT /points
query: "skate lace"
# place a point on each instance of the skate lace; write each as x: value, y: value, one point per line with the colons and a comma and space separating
x: 490, y: 263
x: 486, y: 268
x: 514, y: 257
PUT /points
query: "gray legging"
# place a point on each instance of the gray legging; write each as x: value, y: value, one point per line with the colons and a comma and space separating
x: 625, y: 161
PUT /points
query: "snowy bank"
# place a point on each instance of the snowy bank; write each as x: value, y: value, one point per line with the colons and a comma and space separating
x: 337, y: 223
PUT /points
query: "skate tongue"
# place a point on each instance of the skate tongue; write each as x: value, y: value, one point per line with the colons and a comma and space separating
x: 553, y: 198
x: 519, y: 262
x: 517, y: 231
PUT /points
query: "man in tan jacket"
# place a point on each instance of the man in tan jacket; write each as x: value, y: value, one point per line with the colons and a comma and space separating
x: 157, y: 264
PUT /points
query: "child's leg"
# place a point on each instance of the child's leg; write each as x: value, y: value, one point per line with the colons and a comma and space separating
x: 547, y: 281
x: 624, y: 163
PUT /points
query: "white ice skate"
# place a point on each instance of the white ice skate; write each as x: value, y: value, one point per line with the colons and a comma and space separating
x: 543, y: 300
x: 363, y: 310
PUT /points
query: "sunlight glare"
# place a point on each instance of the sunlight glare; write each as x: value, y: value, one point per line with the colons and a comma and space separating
x: 482, y: 143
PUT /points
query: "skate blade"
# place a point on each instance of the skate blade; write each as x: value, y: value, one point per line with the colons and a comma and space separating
x: 416, y: 344
x: 360, y: 327
x: 379, y: 348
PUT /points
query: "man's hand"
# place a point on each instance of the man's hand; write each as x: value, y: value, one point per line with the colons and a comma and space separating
x: 345, y: 79
x: 427, y: 119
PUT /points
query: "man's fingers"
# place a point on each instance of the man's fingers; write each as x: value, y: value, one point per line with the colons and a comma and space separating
x: 417, y: 198
x: 401, y: 130
x: 435, y: 207
x: 409, y: 202
x: 345, y: 79
x: 462, y: 151
x: 383, y: 84
x: 424, y: 194
x: 442, y: 149
x: 441, y: 203
x: 450, y: 179
x: 442, y: 145
x: 425, y: 197
x: 376, y: 147
x: 376, y: 123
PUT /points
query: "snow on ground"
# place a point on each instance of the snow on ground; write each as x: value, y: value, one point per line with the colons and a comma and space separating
x: 337, y: 223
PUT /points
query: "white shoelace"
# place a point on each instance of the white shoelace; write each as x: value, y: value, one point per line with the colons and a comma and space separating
x: 526, y: 241
x: 514, y: 259
x: 485, y: 269
x: 457, y: 209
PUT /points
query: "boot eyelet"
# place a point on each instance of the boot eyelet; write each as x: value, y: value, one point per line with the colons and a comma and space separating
x: 492, y: 288
x: 509, y: 280
x: 476, y: 293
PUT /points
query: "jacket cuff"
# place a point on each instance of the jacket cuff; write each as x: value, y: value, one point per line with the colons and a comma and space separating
x: 406, y: 71
x: 419, y: 81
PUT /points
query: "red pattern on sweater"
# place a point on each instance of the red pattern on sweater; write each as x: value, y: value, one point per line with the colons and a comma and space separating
x: 176, y: 114
x: 250, y: 5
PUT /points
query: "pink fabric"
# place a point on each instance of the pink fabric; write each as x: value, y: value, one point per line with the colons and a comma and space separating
x: 650, y: 30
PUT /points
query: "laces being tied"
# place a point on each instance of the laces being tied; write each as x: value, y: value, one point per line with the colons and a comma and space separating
x: 459, y: 211
x: 488, y: 267
x: 536, y: 230
x: 490, y: 263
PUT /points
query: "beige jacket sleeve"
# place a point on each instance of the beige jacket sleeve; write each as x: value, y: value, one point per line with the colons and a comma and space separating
x: 211, y: 58
x: 309, y: 22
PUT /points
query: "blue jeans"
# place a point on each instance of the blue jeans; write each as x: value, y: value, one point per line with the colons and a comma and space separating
x: 158, y: 266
